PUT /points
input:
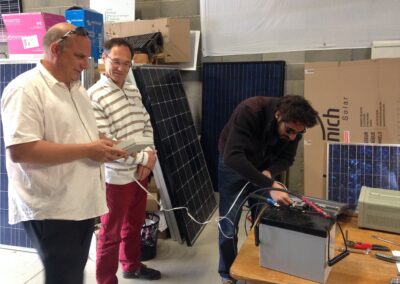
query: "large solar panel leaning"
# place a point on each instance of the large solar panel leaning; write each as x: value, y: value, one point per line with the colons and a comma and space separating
x: 351, y: 166
x: 10, y: 235
x: 182, y: 162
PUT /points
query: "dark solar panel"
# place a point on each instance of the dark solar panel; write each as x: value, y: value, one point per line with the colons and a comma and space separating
x: 178, y: 147
x: 224, y: 86
x: 12, y: 235
x: 7, y: 7
x: 350, y: 166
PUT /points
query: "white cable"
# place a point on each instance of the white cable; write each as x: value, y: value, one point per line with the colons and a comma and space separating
x: 218, y: 220
x: 281, y: 184
x: 237, y: 197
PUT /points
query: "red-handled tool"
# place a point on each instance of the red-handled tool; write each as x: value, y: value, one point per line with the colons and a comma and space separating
x: 316, y: 208
x: 361, y: 245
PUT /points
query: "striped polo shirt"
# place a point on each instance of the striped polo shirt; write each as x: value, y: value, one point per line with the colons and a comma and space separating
x: 120, y: 115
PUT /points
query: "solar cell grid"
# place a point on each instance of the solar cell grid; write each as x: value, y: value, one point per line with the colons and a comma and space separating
x: 7, y: 7
x: 11, y: 235
x: 224, y: 86
x: 178, y: 148
x: 350, y: 166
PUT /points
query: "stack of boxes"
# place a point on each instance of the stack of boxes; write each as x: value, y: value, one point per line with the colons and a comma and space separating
x: 175, y: 33
x: 25, y: 32
x: 92, y: 21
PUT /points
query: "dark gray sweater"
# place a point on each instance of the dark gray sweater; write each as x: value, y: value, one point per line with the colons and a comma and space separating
x: 250, y: 143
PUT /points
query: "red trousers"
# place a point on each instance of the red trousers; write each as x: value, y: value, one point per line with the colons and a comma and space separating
x: 119, y: 237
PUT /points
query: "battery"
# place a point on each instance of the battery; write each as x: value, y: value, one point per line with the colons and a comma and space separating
x: 296, y: 243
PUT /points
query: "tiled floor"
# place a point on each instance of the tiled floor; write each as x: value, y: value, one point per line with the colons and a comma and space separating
x: 178, y: 263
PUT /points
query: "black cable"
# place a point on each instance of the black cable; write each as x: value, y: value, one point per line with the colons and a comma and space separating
x: 247, y: 215
x: 254, y: 195
x: 250, y: 195
x: 340, y: 256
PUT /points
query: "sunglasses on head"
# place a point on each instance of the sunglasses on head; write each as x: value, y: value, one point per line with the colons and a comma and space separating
x: 291, y: 131
x: 80, y: 31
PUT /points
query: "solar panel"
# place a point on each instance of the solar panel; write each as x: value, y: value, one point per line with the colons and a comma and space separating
x: 224, y: 86
x: 10, y: 235
x: 7, y: 7
x: 351, y: 166
x: 178, y: 147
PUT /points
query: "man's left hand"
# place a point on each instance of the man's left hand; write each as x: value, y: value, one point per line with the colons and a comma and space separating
x: 281, y: 197
x: 142, y: 172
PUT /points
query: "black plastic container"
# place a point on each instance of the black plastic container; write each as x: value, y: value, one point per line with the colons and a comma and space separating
x: 149, y: 236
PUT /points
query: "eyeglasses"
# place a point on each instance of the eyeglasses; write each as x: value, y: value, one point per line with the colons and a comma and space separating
x: 117, y: 63
x: 80, y: 31
x: 291, y: 131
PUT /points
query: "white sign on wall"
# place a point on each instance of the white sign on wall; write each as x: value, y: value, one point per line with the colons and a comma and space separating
x: 115, y: 10
x: 230, y: 27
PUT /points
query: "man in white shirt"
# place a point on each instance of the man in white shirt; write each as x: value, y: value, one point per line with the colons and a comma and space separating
x: 121, y: 115
x: 54, y: 155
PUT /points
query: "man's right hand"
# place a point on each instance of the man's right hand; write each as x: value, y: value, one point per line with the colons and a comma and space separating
x: 103, y: 150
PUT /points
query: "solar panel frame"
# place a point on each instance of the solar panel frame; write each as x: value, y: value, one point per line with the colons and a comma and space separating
x: 10, y: 235
x: 350, y: 166
x: 8, y: 7
x: 178, y: 147
x: 225, y: 85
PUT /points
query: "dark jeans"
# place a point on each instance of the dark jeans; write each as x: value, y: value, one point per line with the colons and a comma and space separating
x: 63, y: 247
x: 230, y: 184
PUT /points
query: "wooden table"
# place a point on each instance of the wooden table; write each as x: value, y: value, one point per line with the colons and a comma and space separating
x: 355, y: 268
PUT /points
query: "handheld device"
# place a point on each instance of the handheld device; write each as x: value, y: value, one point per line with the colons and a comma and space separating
x: 135, y: 144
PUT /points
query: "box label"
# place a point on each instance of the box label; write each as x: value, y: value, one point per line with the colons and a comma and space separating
x: 30, y: 41
x: 361, y: 98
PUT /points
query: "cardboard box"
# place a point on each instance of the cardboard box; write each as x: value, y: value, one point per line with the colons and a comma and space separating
x: 141, y: 58
x: 175, y: 32
x: 152, y: 187
x: 151, y: 204
x: 163, y: 235
x: 385, y: 49
x: 92, y: 21
x: 25, y: 32
x: 358, y: 102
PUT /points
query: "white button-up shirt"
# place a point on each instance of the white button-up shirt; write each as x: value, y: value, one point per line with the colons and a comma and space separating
x: 35, y: 106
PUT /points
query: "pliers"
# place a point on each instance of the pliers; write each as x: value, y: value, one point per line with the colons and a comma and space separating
x: 360, y: 245
x: 364, y: 246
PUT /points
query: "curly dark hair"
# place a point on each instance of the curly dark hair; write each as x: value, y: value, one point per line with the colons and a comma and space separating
x: 297, y: 109
x: 116, y: 41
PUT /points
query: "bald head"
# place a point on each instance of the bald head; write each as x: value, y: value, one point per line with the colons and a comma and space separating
x: 67, y: 50
x: 55, y: 33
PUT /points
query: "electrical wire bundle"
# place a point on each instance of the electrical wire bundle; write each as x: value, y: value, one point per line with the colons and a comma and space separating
x: 312, y: 209
x: 265, y: 202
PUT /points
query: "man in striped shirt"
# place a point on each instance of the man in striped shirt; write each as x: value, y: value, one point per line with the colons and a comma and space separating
x: 120, y: 115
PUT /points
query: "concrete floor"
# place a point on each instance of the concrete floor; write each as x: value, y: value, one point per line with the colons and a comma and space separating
x: 178, y: 263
